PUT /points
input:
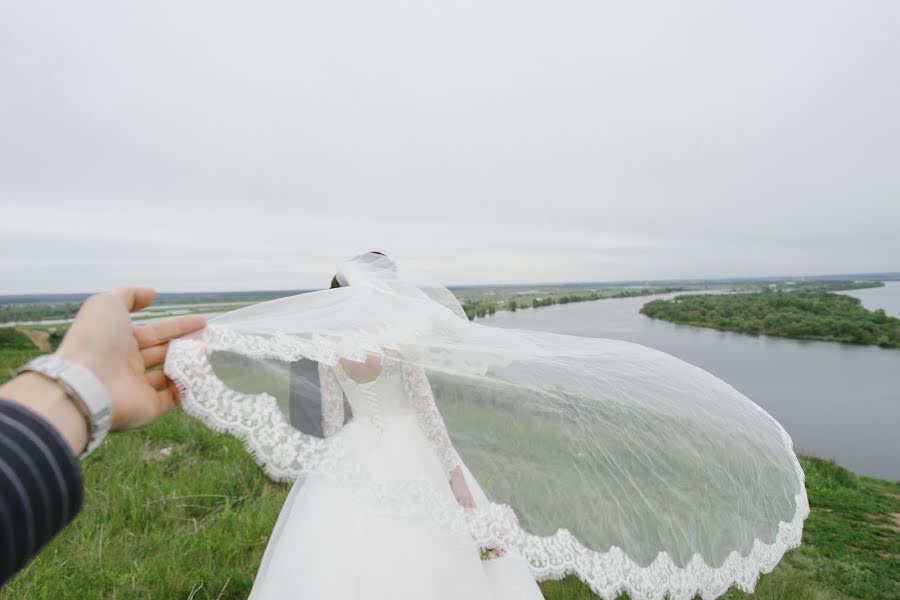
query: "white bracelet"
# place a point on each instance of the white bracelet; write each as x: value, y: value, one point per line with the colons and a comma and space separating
x: 83, y: 387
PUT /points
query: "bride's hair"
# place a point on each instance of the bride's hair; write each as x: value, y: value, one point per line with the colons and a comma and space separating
x: 334, y: 280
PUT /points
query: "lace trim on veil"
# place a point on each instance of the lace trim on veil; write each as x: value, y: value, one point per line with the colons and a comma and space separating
x: 286, y: 453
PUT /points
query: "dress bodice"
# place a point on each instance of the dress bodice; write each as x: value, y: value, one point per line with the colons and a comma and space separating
x: 400, y: 388
x: 385, y: 395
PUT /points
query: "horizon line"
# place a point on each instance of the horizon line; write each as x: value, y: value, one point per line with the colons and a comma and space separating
x: 878, y: 275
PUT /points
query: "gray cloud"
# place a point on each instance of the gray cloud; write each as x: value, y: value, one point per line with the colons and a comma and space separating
x: 239, y: 145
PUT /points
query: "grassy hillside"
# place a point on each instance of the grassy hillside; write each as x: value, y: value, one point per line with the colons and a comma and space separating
x: 175, y: 510
x: 15, y: 350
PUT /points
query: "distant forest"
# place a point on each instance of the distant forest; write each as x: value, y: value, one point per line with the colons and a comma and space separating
x: 59, y: 306
x: 815, y: 314
x: 483, y: 306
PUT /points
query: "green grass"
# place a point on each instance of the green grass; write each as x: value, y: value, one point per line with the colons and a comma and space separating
x: 169, y: 510
x: 175, y: 510
x: 15, y: 350
x: 195, y: 519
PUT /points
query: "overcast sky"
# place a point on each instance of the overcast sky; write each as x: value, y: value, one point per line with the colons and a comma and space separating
x: 226, y: 145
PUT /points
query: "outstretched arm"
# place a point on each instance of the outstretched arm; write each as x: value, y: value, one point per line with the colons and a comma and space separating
x: 422, y: 399
x: 332, y: 401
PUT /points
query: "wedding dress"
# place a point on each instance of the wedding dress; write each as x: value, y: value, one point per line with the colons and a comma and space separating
x: 623, y: 465
x: 344, y: 547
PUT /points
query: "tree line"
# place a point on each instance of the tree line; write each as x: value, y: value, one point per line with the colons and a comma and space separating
x: 483, y: 307
x: 814, y: 314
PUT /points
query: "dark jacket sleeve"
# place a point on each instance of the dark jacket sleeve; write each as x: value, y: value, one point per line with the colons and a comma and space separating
x: 40, y: 486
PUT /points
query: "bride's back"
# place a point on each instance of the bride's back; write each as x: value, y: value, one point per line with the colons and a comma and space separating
x: 370, y: 397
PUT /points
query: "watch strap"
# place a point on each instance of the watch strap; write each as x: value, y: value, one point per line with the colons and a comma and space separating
x: 83, y: 387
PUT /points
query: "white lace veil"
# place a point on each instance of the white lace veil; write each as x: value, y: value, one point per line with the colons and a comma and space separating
x: 626, y: 466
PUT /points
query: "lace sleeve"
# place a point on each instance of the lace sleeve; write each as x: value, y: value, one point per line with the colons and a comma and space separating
x: 419, y: 391
x: 332, y: 401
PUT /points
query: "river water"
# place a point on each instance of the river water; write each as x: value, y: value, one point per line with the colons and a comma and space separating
x: 835, y: 400
x: 887, y: 297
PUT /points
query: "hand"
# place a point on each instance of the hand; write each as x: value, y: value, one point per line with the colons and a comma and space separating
x: 103, y: 339
x: 460, y: 488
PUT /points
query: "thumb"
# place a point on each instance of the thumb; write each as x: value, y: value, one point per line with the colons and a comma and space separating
x: 133, y: 297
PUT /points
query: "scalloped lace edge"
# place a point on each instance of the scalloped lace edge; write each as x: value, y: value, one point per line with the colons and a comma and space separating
x: 608, y: 574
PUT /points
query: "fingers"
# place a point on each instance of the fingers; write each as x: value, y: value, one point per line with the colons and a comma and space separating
x: 167, y: 392
x: 161, y: 332
x: 133, y: 297
x: 466, y: 501
x: 154, y: 355
x: 157, y: 379
x: 168, y: 398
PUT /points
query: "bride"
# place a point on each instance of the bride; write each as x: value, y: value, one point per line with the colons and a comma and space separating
x: 623, y: 465
x: 342, y: 548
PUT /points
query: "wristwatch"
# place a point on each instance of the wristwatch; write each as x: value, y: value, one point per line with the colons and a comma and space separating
x: 82, y: 386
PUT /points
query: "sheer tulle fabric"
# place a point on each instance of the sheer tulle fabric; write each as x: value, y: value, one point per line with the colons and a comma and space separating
x: 624, y: 465
x: 349, y: 544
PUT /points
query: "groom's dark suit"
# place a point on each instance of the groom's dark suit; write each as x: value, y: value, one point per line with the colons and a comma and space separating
x: 306, y: 398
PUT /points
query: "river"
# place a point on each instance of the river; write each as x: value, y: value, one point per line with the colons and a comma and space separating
x: 887, y: 297
x: 836, y: 400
